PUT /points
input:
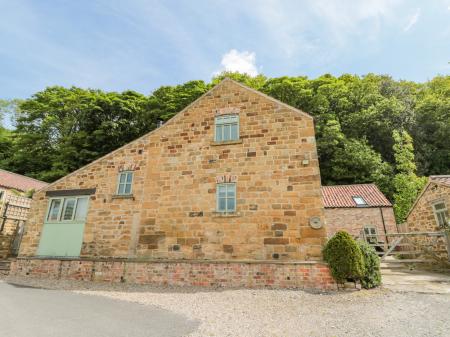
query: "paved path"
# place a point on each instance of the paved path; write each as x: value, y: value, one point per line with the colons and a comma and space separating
x: 31, y: 312
x: 416, y: 281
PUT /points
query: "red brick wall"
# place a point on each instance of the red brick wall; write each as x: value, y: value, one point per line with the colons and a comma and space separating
x: 190, y: 273
x: 354, y: 219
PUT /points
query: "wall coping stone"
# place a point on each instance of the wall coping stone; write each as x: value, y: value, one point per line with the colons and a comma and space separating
x: 141, y: 260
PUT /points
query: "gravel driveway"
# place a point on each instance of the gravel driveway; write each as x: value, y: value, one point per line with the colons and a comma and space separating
x: 286, y: 313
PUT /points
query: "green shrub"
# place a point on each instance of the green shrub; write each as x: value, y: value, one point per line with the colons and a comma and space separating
x: 344, y: 257
x: 372, y: 274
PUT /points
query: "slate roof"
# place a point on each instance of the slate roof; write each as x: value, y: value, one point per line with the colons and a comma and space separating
x: 342, y: 196
x: 19, y: 182
x: 444, y: 179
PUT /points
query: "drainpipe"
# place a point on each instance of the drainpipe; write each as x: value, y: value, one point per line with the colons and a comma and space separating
x: 384, y: 224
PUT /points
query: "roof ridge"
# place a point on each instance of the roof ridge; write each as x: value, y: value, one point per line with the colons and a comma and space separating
x: 350, y: 185
x: 24, y: 176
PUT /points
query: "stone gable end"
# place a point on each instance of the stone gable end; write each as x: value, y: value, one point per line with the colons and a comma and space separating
x: 172, y: 214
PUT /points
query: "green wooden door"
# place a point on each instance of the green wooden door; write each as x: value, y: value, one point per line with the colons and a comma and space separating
x: 62, y: 233
x: 61, y: 239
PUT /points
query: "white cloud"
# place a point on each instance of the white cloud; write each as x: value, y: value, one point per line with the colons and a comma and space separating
x: 242, y: 62
x: 412, y: 20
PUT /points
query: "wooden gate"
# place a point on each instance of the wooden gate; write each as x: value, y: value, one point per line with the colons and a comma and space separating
x: 410, y: 246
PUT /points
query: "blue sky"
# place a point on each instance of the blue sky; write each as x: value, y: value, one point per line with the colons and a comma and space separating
x: 143, y: 44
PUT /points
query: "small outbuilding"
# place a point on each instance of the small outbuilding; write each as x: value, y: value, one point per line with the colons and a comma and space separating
x: 356, y: 209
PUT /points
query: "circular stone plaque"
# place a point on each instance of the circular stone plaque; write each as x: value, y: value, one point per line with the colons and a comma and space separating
x: 315, y: 222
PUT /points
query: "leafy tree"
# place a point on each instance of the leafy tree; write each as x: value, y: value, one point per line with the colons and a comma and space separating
x: 360, y: 123
x: 406, y: 183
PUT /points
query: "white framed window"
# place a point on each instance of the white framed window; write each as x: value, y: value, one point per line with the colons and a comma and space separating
x: 226, y: 128
x: 369, y: 232
x: 359, y: 201
x: 67, y: 209
x: 440, y: 213
x: 125, y: 183
x: 54, y: 210
x: 226, y: 198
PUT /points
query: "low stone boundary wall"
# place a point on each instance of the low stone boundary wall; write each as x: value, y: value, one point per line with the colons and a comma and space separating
x: 227, y: 274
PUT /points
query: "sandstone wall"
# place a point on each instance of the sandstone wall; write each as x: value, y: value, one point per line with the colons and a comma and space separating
x: 172, y: 212
x: 422, y: 219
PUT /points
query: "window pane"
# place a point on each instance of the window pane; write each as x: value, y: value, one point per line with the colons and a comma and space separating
x: 439, y: 206
x: 129, y: 177
x: 121, y: 189
x: 222, y: 205
x: 69, y: 208
x: 441, y: 219
x: 122, y: 177
x: 54, y: 210
x: 222, y: 189
x: 80, y: 213
x: 127, y: 188
x: 231, y: 204
x: 231, y: 190
x: 218, y: 133
x: 226, y: 132
x: 234, y: 132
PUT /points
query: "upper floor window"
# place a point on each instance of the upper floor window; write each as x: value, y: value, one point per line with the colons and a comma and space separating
x: 125, y: 182
x: 67, y: 209
x: 440, y: 212
x: 226, y: 198
x: 359, y: 201
x: 227, y: 128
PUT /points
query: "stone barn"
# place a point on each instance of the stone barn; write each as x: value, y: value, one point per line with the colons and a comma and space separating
x: 358, y: 208
x: 226, y: 193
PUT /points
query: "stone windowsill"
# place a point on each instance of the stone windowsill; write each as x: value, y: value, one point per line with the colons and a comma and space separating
x: 227, y: 142
x: 226, y: 215
x: 119, y: 196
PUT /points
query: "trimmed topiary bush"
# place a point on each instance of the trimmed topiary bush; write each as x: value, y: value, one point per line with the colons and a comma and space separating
x: 372, y: 273
x: 343, y: 255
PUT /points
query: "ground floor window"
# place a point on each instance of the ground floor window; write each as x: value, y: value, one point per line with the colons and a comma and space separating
x: 67, y: 209
x: 369, y: 232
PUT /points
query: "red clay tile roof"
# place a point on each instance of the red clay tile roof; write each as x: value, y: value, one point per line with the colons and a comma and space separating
x: 342, y: 195
x: 19, y: 182
x: 444, y: 179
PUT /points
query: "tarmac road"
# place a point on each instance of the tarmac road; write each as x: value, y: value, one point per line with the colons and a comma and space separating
x: 33, y: 312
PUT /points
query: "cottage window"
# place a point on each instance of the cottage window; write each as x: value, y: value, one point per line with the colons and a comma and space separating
x: 53, y: 212
x: 125, y: 182
x: 440, y: 213
x: 226, y: 198
x: 227, y: 128
x: 370, y: 233
x: 359, y: 201
x: 67, y: 209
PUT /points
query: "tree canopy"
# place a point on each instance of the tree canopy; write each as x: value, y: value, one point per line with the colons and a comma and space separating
x: 369, y: 128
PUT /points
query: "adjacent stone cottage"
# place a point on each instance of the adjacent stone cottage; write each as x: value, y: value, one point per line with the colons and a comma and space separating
x: 429, y: 213
x: 356, y: 209
x: 225, y: 193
